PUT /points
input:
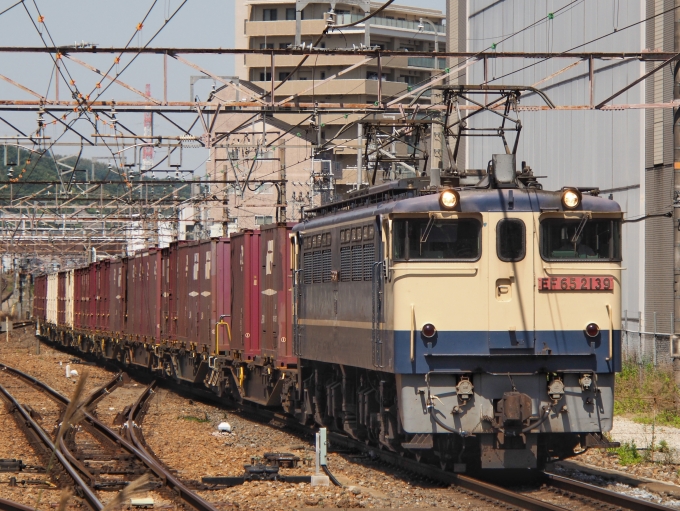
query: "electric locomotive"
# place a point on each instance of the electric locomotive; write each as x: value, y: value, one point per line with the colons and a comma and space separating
x: 476, y: 324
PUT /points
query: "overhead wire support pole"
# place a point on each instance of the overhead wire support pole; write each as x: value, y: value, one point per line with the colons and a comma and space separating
x: 676, y: 201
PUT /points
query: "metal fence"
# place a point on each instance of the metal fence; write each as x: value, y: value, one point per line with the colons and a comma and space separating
x: 648, y: 338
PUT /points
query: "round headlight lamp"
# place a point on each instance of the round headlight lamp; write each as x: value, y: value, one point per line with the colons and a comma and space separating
x: 449, y: 199
x: 571, y: 198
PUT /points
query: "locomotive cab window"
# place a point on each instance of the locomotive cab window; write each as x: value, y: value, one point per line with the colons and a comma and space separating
x: 581, y: 239
x: 430, y: 238
x: 510, y: 240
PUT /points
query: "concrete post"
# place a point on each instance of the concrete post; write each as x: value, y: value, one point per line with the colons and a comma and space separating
x: 360, y: 153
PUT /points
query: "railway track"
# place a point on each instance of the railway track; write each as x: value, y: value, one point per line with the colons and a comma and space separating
x: 9, y: 505
x: 81, y: 473
x: 588, y: 496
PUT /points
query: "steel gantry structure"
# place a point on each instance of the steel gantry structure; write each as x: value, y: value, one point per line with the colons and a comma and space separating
x: 68, y: 215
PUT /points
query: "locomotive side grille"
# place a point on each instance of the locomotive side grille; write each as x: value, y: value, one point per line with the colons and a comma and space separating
x: 307, y: 269
x: 345, y: 264
x: 357, y: 263
x: 316, y: 274
x: 369, y: 259
x: 326, y: 255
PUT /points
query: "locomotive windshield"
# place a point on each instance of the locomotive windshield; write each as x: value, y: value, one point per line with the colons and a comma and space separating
x: 581, y: 239
x: 425, y: 238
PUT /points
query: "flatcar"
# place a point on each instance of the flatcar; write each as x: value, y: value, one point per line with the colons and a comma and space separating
x: 475, y: 324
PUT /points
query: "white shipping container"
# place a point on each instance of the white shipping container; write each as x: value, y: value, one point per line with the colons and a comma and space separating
x: 69, y: 298
x: 52, y: 289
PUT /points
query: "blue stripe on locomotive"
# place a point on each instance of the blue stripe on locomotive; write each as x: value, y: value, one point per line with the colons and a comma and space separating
x: 498, y: 352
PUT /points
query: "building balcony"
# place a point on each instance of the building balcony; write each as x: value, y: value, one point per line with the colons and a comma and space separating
x: 344, y: 19
x: 283, y: 28
x: 322, y: 61
x: 337, y: 87
x: 427, y: 62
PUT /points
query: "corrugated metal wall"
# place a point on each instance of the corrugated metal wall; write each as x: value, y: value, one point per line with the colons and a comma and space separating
x: 579, y: 148
x: 659, y: 174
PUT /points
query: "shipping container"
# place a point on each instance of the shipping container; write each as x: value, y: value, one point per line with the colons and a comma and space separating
x: 52, y: 298
x: 143, y: 293
x: 245, y: 293
x: 40, y: 298
x: 221, y: 283
x: 68, y: 299
x: 103, y: 281
x: 81, y: 298
x: 61, y: 297
x: 276, y: 295
x: 65, y: 298
x: 92, y: 297
x: 117, y: 295
x: 169, y: 258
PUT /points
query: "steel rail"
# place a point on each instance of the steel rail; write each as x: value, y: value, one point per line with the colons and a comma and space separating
x: 155, y: 465
x: 168, y: 479
x: 87, y: 492
x: 10, y: 505
x: 601, y: 494
x: 431, y: 472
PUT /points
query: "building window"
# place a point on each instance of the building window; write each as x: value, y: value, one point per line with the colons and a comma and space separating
x: 283, y: 75
x: 270, y: 15
x: 265, y: 78
x: 323, y: 75
x: 262, y: 220
x: 267, y: 46
x: 290, y: 13
x: 284, y: 46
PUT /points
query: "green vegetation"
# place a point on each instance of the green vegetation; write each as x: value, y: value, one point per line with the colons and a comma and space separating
x: 43, y: 167
x: 648, y: 394
x: 191, y: 418
x: 627, y: 453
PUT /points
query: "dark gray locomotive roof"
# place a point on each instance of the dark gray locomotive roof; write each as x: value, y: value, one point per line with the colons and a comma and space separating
x: 471, y: 201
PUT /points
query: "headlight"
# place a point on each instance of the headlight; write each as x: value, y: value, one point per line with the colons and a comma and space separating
x: 571, y: 198
x: 449, y: 199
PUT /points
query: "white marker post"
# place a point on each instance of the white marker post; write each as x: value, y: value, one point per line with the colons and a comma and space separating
x: 319, y: 479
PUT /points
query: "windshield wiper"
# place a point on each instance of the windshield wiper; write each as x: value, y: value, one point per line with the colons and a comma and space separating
x: 426, y: 234
x: 579, y: 229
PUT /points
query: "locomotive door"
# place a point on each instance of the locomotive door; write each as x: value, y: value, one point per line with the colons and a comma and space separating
x: 511, y: 281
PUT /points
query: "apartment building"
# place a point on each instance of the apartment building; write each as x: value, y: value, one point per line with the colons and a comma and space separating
x: 272, y: 147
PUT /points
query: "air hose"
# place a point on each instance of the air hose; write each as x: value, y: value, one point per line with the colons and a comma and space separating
x: 331, y: 476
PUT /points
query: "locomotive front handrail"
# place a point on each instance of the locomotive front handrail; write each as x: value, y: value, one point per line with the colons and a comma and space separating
x: 611, y: 332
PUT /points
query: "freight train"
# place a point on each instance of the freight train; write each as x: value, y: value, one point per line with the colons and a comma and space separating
x: 475, y: 325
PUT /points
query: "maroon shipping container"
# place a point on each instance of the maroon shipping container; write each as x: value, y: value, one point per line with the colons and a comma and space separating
x: 117, y: 295
x: 221, y: 283
x: 169, y: 258
x: 92, y: 296
x: 197, y: 292
x: 143, y: 295
x: 62, y: 277
x: 276, y: 297
x: 40, y: 298
x: 102, y: 312
x: 81, y: 298
x: 245, y: 293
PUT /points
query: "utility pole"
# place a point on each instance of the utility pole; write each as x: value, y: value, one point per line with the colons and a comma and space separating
x: 676, y: 210
x: 284, y: 199
x: 360, y: 149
